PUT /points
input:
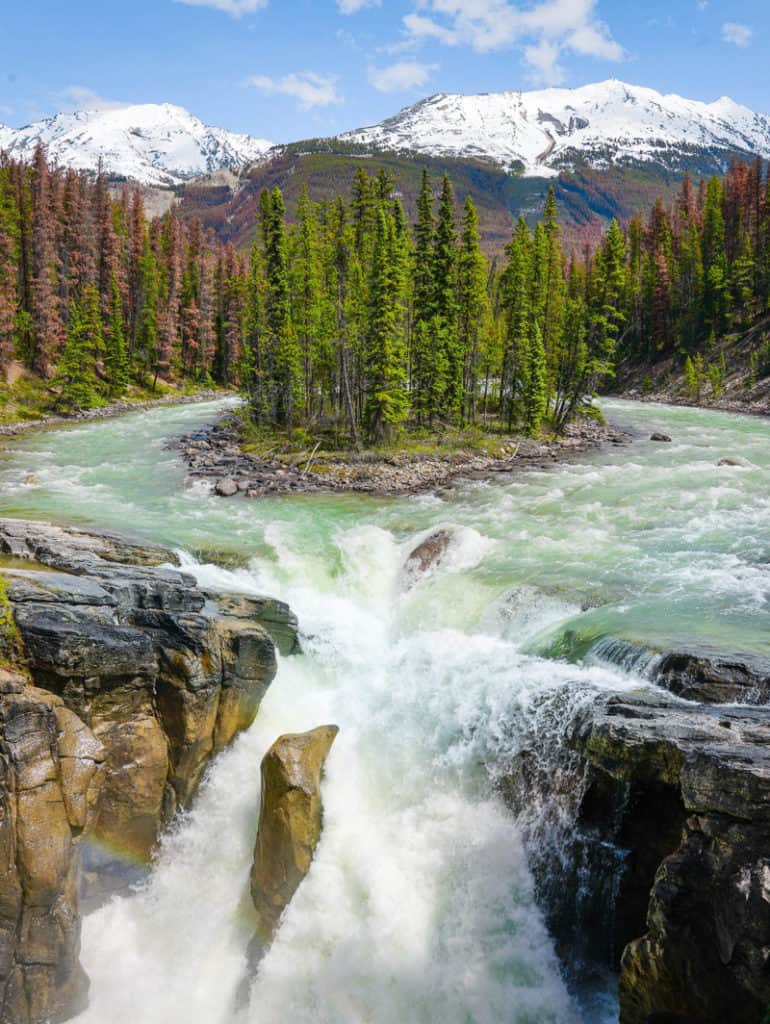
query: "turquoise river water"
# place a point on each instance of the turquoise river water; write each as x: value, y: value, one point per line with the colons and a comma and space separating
x: 420, y: 903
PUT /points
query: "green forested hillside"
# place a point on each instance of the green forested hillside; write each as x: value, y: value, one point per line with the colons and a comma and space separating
x: 588, y: 199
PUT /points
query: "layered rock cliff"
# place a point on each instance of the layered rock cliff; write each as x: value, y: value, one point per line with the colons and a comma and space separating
x: 683, y: 792
x: 136, y: 678
x: 51, y: 766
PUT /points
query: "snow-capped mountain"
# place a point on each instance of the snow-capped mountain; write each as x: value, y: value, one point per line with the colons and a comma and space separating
x: 155, y: 144
x: 548, y: 130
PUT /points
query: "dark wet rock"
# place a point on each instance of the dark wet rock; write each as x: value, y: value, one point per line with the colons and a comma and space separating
x: 66, y: 547
x: 715, y: 680
x: 273, y: 615
x: 731, y: 462
x: 685, y: 791
x: 657, y: 436
x: 693, y: 675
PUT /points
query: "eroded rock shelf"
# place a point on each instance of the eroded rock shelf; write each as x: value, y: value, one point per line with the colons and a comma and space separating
x: 136, y: 678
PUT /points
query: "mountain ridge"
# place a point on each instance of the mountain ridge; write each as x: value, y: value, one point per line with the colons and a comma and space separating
x: 155, y: 144
x: 536, y: 133
x: 543, y: 132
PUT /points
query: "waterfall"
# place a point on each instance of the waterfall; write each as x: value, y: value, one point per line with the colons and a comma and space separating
x: 420, y: 904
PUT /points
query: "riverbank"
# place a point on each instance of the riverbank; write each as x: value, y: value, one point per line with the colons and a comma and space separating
x: 217, y: 455
x: 120, y: 408
x: 750, y: 406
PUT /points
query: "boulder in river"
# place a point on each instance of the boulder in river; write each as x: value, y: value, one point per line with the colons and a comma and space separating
x: 226, y: 487
x: 429, y: 552
x: 715, y: 680
x: 657, y: 436
x: 290, y: 822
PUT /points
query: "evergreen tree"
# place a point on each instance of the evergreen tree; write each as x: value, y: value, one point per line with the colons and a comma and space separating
x: 76, y: 375
x: 518, y: 297
x: 146, y: 333
x: 714, y: 257
x: 446, y: 332
x: 306, y: 305
x: 387, y: 402
x: 116, y: 364
x: 472, y: 304
x: 691, y: 381
x: 8, y: 293
x: 534, y: 397
x: 284, y: 375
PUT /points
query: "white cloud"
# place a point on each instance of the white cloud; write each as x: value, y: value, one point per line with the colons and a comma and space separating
x: 237, y: 8
x: 307, y: 87
x: 740, y: 35
x: 400, y: 77
x: 82, y: 98
x: 546, y: 30
x: 354, y: 6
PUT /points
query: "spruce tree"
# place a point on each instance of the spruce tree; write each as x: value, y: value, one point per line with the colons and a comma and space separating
x: 284, y: 374
x: 424, y: 390
x: 714, y: 257
x: 387, y: 399
x: 472, y: 304
x: 76, y: 375
x: 116, y: 364
x: 518, y: 301
x: 445, y: 309
x: 535, y: 395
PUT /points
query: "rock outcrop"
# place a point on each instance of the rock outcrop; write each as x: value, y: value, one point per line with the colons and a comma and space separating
x: 290, y: 821
x: 51, y: 767
x: 715, y: 680
x: 429, y: 553
x: 684, y: 791
x: 163, y: 674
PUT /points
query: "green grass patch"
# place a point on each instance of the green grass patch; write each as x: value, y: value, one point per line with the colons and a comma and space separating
x: 10, y: 638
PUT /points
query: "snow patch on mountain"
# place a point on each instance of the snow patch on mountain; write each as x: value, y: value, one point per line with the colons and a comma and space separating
x: 550, y: 129
x: 154, y: 144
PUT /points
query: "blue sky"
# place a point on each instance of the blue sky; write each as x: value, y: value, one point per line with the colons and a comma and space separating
x: 292, y: 69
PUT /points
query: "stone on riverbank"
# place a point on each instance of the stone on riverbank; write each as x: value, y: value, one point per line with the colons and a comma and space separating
x: 215, y: 454
x: 226, y: 487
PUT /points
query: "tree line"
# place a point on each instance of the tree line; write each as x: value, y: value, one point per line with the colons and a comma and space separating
x: 353, y: 316
x: 697, y: 269
x: 350, y: 316
x: 95, y: 296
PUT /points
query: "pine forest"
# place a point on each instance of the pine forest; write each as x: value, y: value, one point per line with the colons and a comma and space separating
x: 349, y: 319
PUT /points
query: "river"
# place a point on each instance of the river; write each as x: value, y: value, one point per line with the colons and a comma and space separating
x: 420, y: 905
